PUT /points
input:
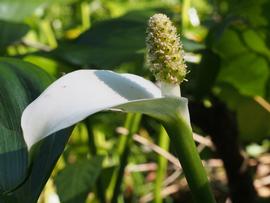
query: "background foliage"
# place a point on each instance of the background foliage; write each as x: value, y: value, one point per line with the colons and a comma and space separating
x: 227, y: 52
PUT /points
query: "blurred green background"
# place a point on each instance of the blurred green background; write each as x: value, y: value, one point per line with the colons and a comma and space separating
x: 227, y: 50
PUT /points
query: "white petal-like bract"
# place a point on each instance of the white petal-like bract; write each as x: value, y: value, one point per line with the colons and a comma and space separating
x: 79, y: 94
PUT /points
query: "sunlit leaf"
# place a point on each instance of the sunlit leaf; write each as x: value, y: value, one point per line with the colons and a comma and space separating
x: 17, y: 10
x: 111, y: 43
x: 245, y: 70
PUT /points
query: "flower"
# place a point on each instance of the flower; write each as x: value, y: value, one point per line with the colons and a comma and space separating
x: 82, y: 93
x: 164, y: 50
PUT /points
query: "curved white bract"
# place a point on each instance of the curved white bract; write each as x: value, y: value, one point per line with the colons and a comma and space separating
x: 79, y: 94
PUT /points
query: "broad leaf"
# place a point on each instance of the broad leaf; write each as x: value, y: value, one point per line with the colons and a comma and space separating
x: 253, y: 120
x: 248, y: 73
x: 255, y: 12
x: 21, y: 177
x: 109, y: 43
x: 114, y: 42
x: 11, y: 32
x: 20, y: 84
x: 75, y: 181
x: 245, y: 69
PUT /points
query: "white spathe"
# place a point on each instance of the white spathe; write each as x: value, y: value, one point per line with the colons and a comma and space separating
x: 81, y: 93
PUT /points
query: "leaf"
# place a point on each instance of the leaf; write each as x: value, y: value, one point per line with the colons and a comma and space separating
x: 109, y: 43
x: 11, y: 32
x: 75, y: 181
x: 113, y: 42
x: 253, y: 121
x: 21, y: 177
x: 191, y: 46
x: 255, y: 42
x: 44, y: 158
x: 247, y: 71
x: 229, y: 45
x: 255, y: 12
x: 17, y: 10
x: 14, y: 97
x: 53, y: 67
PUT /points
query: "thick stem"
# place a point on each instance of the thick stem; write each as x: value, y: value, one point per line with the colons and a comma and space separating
x: 220, y: 124
x: 181, y: 137
x: 164, y: 143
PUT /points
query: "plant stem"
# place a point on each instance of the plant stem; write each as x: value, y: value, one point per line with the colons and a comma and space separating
x: 220, y: 124
x: 48, y: 33
x: 132, y: 124
x: 182, y: 138
x: 185, y: 16
x: 85, y: 15
x: 164, y: 143
x: 93, y: 150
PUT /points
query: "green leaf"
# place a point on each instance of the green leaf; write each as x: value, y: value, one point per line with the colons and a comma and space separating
x: 113, y: 42
x: 22, y: 178
x: 17, y: 10
x: 75, y: 181
x: 242, y: 67
x: 109, y: 43
x: 248, y: 73
x: 53, y: 67
x: 255, y: 42
x: 253, y: 121
x: 11, y: 32
x: 16, y: 91
x: 229, y: 45
x: 255, y: 12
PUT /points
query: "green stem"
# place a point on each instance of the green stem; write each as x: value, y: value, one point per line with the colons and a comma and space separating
x: 185, y: 16
x: 93, y: 149
x: 164, y: 143
x: 132, y: 124
x: 85, y: 15
x: 182, y: 138
x: 48, y: 33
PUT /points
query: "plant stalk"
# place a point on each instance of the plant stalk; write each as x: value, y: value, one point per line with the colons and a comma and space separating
x: 85, y: 15
x: 132, y: 124
x: 164, y: 143
x: 181, y: 137
x: 100, y: 193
